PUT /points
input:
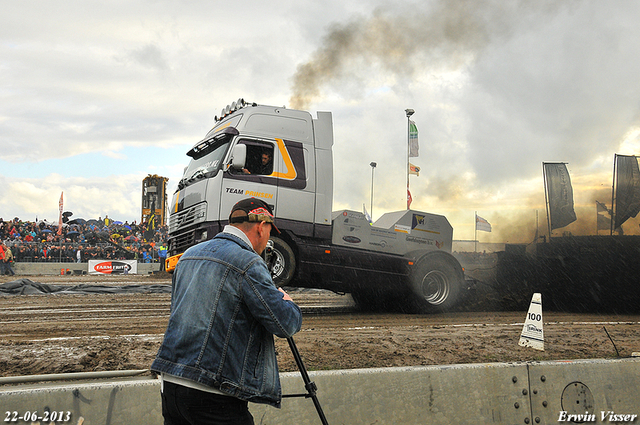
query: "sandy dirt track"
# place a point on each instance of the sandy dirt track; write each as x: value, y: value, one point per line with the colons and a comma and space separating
x: 41, y: 334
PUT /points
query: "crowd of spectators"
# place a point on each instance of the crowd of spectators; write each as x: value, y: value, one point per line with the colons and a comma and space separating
x: 79, y: 240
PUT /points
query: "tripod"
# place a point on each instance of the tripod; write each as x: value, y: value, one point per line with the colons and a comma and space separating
x: 309, y: 385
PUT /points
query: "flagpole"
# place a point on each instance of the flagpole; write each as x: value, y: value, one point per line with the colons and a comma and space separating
x: 475, y: 234
x: 546, y: 198
x: 613, y: 188
x: 409, y: 112
x: 373, y: 167
x: 60, y: 207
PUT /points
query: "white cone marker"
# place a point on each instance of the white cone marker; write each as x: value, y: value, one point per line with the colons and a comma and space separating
x: 532, y: 335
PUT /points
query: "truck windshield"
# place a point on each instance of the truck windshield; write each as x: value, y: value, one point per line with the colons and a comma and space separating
x: 207, y: 159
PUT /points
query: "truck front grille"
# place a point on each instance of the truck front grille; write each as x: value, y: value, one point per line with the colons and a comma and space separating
x: 183, y: 227
x: 183, y: 219
x: 183, y: 241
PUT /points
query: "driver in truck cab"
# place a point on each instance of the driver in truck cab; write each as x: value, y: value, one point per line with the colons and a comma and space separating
x: 264, y: 165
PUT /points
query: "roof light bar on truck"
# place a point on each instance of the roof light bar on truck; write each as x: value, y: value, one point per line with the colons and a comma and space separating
x: 230, y: 109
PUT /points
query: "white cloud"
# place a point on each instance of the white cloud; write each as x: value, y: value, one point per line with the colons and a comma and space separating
x: 114, y: 155
x: 118, y: 196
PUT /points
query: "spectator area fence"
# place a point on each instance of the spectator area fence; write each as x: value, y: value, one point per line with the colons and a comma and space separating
x: 70, y: 269
x: 49, y: 252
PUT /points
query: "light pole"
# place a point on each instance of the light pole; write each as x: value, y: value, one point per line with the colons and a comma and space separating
x: 409, y: 112
x: 373, y: 166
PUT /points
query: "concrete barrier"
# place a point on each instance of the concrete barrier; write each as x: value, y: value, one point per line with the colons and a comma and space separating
x: 53, y: 269
x: 125, y: 401
x: 493, y: 393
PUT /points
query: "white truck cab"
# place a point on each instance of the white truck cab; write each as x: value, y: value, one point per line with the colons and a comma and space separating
x: 296, y: 178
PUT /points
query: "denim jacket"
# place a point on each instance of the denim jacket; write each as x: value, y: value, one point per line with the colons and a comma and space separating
x: 225, y: 310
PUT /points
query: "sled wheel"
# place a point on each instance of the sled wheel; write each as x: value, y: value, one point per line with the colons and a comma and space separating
x: 436, y: 283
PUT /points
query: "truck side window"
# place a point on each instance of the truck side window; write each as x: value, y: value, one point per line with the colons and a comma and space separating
x: 259, y: 159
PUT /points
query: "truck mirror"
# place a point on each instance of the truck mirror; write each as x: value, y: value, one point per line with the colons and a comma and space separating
x: 239, y: 156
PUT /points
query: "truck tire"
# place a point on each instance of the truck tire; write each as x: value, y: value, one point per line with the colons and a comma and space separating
x: 436, y: 283
x: 284, y: 264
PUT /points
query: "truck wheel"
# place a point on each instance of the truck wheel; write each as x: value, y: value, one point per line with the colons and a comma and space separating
x: 285, y: 262
x: 436, y: 282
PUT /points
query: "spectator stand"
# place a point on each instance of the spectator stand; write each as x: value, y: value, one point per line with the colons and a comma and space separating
x: 39, y: 242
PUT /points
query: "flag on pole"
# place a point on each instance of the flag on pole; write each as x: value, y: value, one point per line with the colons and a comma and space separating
x: 560, y: 194
x: 603, y: 221
x: 366, y: 214
x: 482, y: 224
x: 600, y: 207
x: 414, y: 169
x: 409, y: 199
x: 627, y: 194
x: 413, y: 139
x: 60, y: 216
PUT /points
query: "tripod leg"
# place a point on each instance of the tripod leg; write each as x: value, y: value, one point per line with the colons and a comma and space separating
x: 308, y: 384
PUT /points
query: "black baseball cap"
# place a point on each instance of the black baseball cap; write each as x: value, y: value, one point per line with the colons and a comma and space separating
x: 257, y: 210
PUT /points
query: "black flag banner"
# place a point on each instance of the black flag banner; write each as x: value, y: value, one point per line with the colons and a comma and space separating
x: 627, y: 194
x: 559, y: 194
x: 603, y: 220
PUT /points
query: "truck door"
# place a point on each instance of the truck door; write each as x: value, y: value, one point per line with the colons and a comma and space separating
x: 276, y: 172
x: 296, y: 190
x: 257, y: 179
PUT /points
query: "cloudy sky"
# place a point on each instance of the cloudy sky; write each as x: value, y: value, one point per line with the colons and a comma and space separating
x: 95, y: 96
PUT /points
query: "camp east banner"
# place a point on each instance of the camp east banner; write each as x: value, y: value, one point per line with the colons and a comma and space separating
x: 113, y: 267
x: 560, y: 195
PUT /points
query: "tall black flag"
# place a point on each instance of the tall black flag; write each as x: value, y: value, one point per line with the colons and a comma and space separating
x: 627, y: 194
x: 559, y: 194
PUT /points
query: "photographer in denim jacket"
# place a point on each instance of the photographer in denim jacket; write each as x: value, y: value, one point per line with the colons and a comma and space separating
x: 218, y: 351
